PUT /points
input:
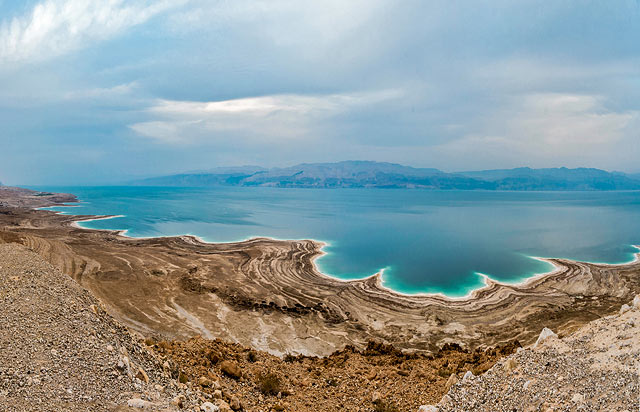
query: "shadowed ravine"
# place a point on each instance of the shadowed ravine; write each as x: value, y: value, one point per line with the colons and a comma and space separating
x: 268, y: 294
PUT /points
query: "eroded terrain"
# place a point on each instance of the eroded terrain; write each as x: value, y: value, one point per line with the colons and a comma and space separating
x: 267, y: 294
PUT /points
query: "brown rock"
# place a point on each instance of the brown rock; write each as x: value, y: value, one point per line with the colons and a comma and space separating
x: 231, y: 369
x: 142, y: 375
x: 224, y: 407
x: 178, y: 401
x: 453, y: 379
x: 235, y: 403
x: 510, y: 365
x: 204, y: 382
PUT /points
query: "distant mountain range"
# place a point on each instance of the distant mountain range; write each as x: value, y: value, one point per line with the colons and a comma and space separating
x: 362, y: 174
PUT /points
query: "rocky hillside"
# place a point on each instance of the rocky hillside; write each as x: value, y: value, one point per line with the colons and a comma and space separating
x: 59, y: 350
x: 596, y: 368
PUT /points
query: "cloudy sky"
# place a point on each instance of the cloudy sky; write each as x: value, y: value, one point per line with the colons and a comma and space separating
x: 101, y: 91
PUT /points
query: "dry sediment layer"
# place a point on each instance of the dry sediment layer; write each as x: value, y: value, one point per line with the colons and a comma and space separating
x: 267, y: 293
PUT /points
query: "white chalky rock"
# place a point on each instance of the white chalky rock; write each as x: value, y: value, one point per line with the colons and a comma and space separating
x: 624, y: 308
x: 544, y: 335
x: 139, y: 403
x: 209, y: 407
x: 636, y: 302
x: 467, y: 376
x: 427, y: 408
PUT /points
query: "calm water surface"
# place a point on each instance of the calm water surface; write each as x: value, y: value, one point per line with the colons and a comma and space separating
x: 426, y: 241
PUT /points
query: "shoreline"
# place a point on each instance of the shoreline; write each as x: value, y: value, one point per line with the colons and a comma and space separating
x: 180, y: 286
x: 487, y: 280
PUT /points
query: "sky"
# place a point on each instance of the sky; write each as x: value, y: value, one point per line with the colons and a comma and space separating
x: 98, y: 92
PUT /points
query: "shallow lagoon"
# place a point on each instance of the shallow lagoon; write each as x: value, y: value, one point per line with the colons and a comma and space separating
x: 426, y: 241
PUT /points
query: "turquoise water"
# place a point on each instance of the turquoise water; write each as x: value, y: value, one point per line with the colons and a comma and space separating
x: 426, y: 241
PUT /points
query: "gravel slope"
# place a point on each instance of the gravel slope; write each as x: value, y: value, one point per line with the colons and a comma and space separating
x: 59, y: 351
x: 596, y: 368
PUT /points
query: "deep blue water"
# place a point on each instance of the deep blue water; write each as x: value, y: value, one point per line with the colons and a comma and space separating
x: 426, y: 241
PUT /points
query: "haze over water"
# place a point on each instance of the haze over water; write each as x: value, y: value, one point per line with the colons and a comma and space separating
x: 426, y: 241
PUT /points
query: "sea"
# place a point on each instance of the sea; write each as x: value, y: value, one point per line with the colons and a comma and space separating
x: 422, y: 241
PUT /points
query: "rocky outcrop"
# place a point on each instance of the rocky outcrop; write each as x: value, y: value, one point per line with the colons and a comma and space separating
x: 597, y: 368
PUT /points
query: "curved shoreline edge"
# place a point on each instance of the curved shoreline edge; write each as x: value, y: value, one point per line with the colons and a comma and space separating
x: 269, y: 294
x: 487, y: 280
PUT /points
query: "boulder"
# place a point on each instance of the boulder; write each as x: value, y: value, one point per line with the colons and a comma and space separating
x: 467, y: 376
x: 636, y: 302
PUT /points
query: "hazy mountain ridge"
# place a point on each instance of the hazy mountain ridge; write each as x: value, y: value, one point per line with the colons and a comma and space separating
x: 562, y: 178
x: 363, y: 174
